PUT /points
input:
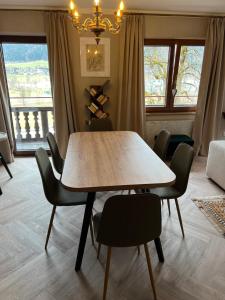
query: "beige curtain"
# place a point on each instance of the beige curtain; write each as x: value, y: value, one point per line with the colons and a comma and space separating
x: 131, y: 107
x: 65, y: 111
x: 212, y: 88
x: 6, y: 147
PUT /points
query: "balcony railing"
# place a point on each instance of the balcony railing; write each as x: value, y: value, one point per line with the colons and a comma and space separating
x: 31, y: 124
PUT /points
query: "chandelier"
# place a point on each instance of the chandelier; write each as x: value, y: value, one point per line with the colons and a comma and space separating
x: 98, y: 24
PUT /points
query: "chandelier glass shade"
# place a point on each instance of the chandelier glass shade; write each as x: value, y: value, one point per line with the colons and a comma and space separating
x: 98, y: 23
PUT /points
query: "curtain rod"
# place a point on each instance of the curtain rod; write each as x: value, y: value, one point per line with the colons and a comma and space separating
x: 131, y: 12
x: 158, y: 14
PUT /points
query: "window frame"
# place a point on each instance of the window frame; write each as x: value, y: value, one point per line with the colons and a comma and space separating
x: 173, y: 66
x: 21, y: 39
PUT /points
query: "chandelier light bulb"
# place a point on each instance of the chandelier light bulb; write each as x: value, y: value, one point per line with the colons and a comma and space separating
x: 121, y: 6
x: 96, y: 2
x: 76, y: 14
x: 72, y: 5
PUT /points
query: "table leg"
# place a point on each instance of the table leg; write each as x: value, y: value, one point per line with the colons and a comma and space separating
x: 159, y: 249
x: 84, y: 230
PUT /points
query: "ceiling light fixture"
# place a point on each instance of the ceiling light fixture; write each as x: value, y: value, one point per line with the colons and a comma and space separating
x: 98, y: 24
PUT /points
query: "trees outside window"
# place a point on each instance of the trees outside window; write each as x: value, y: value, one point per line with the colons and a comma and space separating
x: 172, y: 74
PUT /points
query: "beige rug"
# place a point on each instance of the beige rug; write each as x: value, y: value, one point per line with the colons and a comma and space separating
x: 214, y: 209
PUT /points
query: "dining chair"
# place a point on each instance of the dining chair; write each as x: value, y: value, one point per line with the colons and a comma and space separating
x: 127, y: 221
x: 3, y: 138
x: 181, y: 165
x: 55, y: 193
x: 162, y: 143
x: 5, y: 165
x: 160, y: 148
x: 58, y: 161
x: 101, y: 125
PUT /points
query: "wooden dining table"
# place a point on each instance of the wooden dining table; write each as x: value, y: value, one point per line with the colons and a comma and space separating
x: 111, y: 161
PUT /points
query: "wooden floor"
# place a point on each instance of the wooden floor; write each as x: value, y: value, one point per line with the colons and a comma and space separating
x: 194, y: 267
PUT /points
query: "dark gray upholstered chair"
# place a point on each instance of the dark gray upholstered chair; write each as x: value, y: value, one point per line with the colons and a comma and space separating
x: 55, y: 193
x: 160, y: 148
x: 181, y: 165
x: 101, y: 125
x: 126, y: 221
x: 58, y: 162
x: 5, y: 165
x: 161, y: 144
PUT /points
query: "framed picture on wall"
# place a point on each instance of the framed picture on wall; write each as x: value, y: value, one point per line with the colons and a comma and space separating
x: 95, y: 59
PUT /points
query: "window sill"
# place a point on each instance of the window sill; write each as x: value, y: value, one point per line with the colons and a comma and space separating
x: 169, y: 113
x: 177, y: 109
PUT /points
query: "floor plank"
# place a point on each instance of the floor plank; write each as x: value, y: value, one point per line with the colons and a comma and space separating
x: 193, y: 268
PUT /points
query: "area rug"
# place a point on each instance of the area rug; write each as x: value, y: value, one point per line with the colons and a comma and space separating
x: 214, y: 209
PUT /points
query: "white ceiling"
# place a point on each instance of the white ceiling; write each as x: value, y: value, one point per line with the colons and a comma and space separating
x: 187, y: 6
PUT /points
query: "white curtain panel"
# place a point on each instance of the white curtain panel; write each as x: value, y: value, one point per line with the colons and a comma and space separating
x: 131, y: 103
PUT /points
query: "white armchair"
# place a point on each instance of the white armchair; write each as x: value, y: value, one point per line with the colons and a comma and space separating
x: 215, y: 168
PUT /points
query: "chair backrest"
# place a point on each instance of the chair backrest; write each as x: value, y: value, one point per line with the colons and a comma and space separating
x: 130, y: 220
x: 50, y: 183
x: 161, y: 144
x: 181, y: 165
x: 58, y: 162
x: 101, y: 125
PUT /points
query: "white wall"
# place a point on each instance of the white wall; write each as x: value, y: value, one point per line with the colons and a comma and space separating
x: 21, y: 23
x: 175, y: 27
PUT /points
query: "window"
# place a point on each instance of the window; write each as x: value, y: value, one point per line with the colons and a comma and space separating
x: 172, y: 74
x: 27, y: 72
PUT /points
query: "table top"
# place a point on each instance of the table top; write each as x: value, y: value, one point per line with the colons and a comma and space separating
x: 112, y: 160
x: 3, y: 136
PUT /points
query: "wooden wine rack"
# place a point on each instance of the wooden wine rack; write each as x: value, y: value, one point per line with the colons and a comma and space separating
x: 97, y: 101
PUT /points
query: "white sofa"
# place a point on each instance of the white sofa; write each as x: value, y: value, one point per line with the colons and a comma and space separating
x: 215, y: 168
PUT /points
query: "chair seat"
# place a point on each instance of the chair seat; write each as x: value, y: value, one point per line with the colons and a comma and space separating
x: 64, y: 197
x: 168, y: 192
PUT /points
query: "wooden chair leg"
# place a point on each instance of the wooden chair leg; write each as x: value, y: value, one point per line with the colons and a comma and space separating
x: 179, y: 216
x: 50, y: 226
x: 99, y: 250
x: 168, y: 204
x: 107, y: 272
x: 150, y: 271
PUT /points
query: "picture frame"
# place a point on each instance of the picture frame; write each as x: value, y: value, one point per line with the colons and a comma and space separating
x: 95, y: 59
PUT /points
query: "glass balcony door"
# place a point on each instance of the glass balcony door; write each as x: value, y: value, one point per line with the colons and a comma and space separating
x: 27, y: 73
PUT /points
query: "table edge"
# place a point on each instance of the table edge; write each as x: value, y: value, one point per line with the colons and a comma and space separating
x: 118, y: 187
